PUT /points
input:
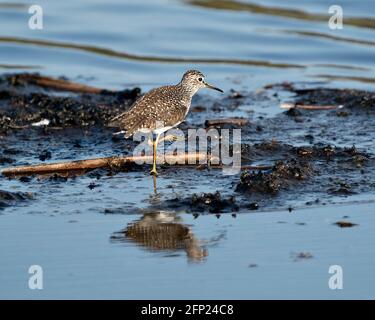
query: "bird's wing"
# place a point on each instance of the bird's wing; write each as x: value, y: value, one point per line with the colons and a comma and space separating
x: 144, y: 113
x: 119, y: 119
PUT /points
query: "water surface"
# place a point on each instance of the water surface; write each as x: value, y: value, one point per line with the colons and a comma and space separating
x: 81, y: 237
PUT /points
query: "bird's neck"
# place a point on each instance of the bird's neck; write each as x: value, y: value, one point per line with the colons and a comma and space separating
x: 188, y: 90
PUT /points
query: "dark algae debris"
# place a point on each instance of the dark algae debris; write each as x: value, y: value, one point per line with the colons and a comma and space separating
x: 8, y: 198
x: 23, y: 103
x: 203, y: 203
x: 280, y: 176
x: 345, y: 224
x: 305, y: 157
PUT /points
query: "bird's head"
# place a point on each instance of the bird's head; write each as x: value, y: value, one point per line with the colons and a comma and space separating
x: 194, y: 80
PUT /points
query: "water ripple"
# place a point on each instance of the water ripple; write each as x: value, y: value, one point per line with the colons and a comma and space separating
x: 361, y: 22
x: 145, y: 58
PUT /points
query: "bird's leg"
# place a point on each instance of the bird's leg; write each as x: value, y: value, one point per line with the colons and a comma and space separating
x: 155, y: 185
x: 155, y: 146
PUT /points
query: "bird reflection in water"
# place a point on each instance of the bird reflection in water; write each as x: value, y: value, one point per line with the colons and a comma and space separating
x: 162, y: 231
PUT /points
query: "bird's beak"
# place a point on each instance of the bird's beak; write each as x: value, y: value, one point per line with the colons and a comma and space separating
x: 212, y: 87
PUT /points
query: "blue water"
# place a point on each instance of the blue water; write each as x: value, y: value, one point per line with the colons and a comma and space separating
x: 119, y: 44
x: 178, y: 29
x: 79, y: 261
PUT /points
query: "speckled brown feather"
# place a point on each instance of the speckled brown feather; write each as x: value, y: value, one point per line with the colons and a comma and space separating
x: 168, y: 105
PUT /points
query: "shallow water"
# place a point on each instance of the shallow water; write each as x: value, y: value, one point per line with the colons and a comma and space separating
x: 75, y: 233
x: 125, y: 43
x: 251, y: 256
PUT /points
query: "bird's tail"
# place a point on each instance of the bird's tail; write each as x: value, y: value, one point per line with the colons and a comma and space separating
x: 125, y: 123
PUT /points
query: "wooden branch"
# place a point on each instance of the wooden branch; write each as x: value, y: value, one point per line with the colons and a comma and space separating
x: 218, y: 122
x: 58, y: 84
x: 245, y: 167
x: 83, y: 165
x: 90, y: 164
x: 308, y: 107
x: 256, y: 168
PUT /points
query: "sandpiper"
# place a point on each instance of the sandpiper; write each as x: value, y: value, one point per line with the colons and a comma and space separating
x: 161, y: 109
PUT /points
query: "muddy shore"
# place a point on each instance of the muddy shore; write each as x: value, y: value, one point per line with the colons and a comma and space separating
x: 314, y: 157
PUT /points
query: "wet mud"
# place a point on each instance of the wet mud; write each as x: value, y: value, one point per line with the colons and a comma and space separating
x: 201, y: 203
x: 314, y: 157
x: 23, y: 104
x: 8, y: 198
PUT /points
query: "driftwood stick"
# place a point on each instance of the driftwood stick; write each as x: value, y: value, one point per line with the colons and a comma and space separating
x: 90, y: 164
x: 242, y: 168
x: 256, y: 168
x: 58, y: 84
x: 234, y: 121
x: 308, y: 107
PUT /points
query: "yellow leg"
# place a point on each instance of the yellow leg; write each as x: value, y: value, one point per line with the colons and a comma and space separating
x: 155, y: 146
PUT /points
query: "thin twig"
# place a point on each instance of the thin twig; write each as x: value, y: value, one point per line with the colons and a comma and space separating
x: 96, y: 163
x: 233, y: 121
x: 58, y: 84
x: 308, y: 107
x: 242, y: 168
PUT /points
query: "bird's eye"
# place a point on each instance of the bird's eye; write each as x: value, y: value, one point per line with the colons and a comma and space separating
x: 200, y: 79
